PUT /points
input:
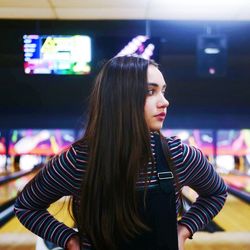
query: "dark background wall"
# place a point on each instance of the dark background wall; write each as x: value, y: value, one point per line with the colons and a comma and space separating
x: 60, y: 101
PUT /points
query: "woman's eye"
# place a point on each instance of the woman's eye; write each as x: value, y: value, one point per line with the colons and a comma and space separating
x: 150, y: 92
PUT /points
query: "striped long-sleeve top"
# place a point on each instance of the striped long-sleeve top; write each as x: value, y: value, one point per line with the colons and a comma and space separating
x: 62, y: 176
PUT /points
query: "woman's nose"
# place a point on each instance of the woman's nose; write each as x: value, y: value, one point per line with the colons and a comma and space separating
x: 163, y: 102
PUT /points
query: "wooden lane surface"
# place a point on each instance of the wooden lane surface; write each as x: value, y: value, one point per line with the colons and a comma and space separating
x: 58, y: 209
x: 234, y: 216
x: 14, y: 236
x: 9, y: 190
x: 241, y: 182
x: 219, y: 241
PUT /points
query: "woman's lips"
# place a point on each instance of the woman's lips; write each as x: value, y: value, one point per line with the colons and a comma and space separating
x: 161, y: 116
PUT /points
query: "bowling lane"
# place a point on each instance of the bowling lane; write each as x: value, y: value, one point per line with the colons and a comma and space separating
x: 14, y: 236
x: 239, y: 182
x: 9, y: 190
x: 233, y: 217
x: 59, y: 209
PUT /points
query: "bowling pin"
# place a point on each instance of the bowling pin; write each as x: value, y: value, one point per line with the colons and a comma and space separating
x: 27, y: 144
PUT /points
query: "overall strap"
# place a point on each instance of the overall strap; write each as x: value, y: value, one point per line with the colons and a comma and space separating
x: 164, y: 173
x: 165, y: 203
x: 167, y: 154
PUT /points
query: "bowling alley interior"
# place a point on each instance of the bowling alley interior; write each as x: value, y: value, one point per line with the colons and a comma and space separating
x: 203, y: 51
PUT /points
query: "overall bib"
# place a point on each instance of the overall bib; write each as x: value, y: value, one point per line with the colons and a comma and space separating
x: 160, y: 212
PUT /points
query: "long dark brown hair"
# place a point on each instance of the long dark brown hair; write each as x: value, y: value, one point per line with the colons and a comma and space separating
x: 118, y: 140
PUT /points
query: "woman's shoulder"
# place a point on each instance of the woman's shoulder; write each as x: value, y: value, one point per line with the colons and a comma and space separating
x: 80, y: 147
x: 173, y: 141
x: 186, y: 157
x: 175, y: 145
x: 80, y: 151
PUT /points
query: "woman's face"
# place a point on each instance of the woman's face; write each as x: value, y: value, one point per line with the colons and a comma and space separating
x: 156, y: 104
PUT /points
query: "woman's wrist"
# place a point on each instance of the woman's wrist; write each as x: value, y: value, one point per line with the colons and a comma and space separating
x: 73, y: 243
x: 183, y: 232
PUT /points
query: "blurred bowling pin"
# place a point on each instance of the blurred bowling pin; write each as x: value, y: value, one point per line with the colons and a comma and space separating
x: 27, y: 144
x: 148, y: 52
x: 54, y: 145
x: 132, y: 46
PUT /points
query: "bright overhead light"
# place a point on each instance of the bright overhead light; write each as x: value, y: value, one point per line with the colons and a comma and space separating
x: 225, y: 3
x: 200, y: 9
x: 212, y: 51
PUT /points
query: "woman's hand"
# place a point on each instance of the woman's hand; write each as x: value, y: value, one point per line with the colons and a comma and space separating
x: 183, y: 234
x: 73, y: 243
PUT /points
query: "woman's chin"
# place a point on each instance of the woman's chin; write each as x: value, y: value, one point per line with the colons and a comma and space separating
x: 156, y: 127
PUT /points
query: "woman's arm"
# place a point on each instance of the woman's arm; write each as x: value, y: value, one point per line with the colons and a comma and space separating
x: 59, y: 177
x: 197, y: 173
x: 73, y: 243
x: 183, y: 234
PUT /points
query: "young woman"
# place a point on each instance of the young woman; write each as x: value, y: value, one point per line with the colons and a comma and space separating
x: 124, y: 177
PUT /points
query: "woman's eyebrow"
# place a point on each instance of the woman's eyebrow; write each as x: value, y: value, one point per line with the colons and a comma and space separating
x: 153, y: 84
x: 156, y: 85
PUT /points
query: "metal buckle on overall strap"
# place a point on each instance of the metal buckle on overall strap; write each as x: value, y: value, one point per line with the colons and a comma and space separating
x: 165, y: 175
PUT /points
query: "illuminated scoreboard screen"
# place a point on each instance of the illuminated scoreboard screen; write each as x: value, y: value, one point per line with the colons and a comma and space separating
x: 2, y: 144
x: 45, y: 142
x: 199, y: 138
x: 2, y: 152
x: 233, y: 142
x: 56, y: 54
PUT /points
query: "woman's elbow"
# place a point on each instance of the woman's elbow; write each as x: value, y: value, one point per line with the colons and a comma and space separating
x: 18, y: 208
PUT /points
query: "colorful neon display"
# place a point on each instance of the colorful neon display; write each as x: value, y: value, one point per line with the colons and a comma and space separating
x: 202, y: 139
x: 40, y: 142
x: 54, y: 54
x: 233, y: 142
x: 2, y: 144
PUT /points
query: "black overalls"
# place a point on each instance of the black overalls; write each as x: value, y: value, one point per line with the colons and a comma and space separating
x: 160, y: 211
